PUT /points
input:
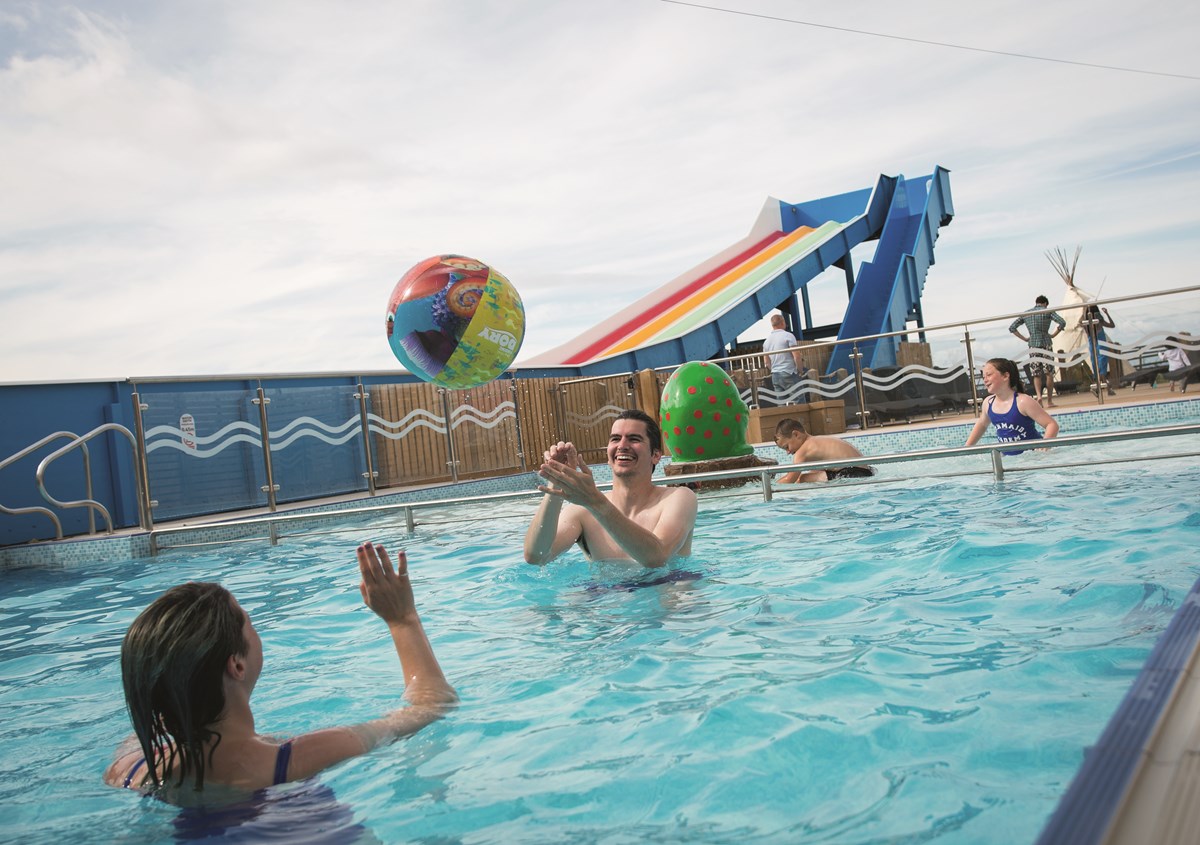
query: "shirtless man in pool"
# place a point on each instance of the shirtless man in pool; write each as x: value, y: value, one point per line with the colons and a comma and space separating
x: 634, y: 521
x: 791, y: 437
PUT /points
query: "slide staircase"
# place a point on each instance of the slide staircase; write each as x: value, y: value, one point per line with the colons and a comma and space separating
x: 887, y: 293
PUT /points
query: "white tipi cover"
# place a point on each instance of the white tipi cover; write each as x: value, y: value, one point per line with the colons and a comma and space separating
x: 1074, y: 335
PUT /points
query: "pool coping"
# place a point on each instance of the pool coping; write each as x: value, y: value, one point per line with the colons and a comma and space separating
x: 1140, y: 780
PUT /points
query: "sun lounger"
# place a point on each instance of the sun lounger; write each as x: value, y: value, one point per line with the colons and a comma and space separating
x: 1146, y: 375
x: 1186, y: 376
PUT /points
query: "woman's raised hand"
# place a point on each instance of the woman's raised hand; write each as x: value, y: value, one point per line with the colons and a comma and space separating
x: 385, y: 590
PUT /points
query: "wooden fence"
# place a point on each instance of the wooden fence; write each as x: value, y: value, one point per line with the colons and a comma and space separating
x: 505, y: 426
x: 499, y: 428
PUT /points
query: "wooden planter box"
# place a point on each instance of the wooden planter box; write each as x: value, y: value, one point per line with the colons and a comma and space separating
x: 817, y: 418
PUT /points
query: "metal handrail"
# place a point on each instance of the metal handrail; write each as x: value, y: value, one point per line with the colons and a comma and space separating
x: 957, y: 324
x: 764, y: 473
x: 87, y: 471
x: 854, y: 384
x: 80, y: 441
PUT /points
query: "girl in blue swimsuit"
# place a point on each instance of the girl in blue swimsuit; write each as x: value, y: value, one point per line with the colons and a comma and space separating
x: 189, y: 664
x: 1009, y: 408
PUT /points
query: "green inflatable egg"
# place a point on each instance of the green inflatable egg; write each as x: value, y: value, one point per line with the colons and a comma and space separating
x: 702, y: 415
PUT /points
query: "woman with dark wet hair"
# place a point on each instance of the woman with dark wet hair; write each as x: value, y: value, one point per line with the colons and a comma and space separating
x: 1009, y: 408
x: 189, y: 664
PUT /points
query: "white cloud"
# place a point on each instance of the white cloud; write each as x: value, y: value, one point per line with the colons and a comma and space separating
x: 239, y: 189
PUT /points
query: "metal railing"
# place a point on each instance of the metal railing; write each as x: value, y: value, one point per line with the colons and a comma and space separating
x: 80, y: 442
x: 867, y: 388
x: 763, y: 474
x: 87, y: 474
x: 465, y: 424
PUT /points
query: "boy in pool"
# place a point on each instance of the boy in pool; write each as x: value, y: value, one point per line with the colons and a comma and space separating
x: 190, y: 661
x: 791, y: 437
x: 1009, y: 408
x: 634, y: 521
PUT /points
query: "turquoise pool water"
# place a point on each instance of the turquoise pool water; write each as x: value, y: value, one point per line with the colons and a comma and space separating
x: 918, y: 661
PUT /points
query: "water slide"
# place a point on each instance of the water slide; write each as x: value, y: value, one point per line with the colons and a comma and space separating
x: 698, y: 314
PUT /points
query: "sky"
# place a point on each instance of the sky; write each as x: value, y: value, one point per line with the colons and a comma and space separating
x: 211, y: 187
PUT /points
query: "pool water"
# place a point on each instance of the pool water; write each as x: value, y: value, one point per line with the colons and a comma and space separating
x: 925, y: 660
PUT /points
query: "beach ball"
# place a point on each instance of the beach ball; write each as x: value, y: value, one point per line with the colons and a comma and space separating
x: 455, y: 322
x: 702, y: 414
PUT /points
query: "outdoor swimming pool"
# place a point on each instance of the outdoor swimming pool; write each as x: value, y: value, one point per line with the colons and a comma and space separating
x: 924, y: 660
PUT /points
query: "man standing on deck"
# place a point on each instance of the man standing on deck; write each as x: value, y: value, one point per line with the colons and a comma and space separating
x: 786, y: 366
x: 634, y: 521
x: 1041, y: 348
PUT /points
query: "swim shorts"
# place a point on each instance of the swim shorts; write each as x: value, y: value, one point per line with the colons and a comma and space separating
x: 849, y: 472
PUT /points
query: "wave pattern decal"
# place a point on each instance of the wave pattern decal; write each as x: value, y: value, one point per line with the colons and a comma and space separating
x: 606, y: 412
x: 911, y: 372
x: 418, y: 418
x: 170, y: 437
x: 1130, y: 353
x: 805, y: 387
x: 468, y: 413
x: 421, y: 418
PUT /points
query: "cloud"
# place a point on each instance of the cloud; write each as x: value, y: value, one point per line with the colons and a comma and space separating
x: 228, y: 187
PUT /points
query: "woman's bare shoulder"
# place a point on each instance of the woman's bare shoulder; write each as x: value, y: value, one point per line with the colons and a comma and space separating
x: 128, y: 755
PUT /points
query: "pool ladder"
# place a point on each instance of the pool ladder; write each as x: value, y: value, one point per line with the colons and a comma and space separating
x: 80, y: 441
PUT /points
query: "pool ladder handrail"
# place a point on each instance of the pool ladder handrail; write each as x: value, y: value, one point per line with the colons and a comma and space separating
x: 993, y: 450
x: 87, y: 472
x: 79, y: 441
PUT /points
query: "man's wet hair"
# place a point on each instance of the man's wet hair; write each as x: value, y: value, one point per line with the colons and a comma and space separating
x: 788, y: 427
x: 653, y: 432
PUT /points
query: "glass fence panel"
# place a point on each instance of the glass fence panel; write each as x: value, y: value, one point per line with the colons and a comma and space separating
x: 203, y: 452
x: 1150, y: 344
x: 589, y: 409
x: 915, y: 392
x: 316, y: 442
x: 483, y: 423
x: 409, y: 434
